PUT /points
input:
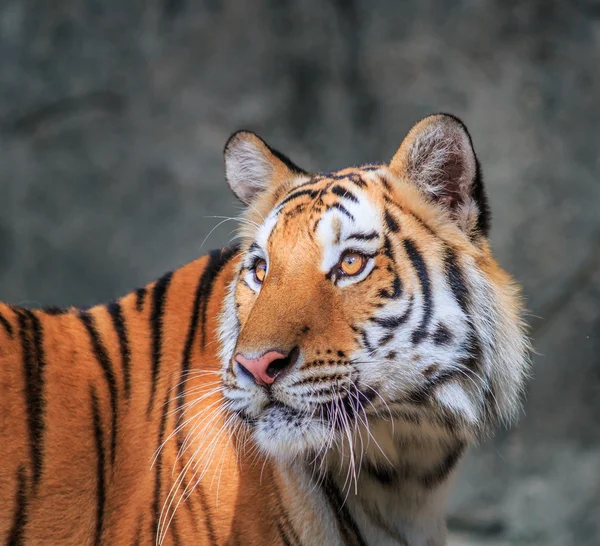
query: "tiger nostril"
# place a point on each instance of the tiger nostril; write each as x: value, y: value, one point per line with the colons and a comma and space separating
x: 277, y: 366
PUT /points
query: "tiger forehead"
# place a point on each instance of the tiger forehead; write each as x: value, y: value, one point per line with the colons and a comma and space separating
x: 323, y: 186
x: 353, y: 193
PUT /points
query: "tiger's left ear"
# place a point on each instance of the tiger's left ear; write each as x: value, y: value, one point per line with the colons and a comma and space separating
x: 252, y: 166
x: 438, y: 157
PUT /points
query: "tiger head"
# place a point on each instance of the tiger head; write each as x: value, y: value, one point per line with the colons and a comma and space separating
x: 368, y: 296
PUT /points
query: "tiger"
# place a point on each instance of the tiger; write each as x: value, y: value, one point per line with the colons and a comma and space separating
x: 319, y: 383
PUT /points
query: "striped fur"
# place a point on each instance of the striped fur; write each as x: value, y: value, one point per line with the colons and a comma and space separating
x: 131, y: 423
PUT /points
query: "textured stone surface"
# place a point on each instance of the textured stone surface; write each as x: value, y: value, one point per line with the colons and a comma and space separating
x: 112, y: 119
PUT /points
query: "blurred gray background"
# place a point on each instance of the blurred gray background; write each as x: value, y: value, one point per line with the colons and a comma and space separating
x: 113, y: 114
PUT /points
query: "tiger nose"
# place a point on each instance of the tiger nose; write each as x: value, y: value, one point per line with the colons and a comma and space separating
x: 266, y: 368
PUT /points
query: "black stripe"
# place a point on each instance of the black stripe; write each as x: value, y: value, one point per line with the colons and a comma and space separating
x: 187, y: 352
x: 386, y: 338
x: 456, y: 279
x: 7, y: 325
x: 55, y: 310
x: 416, y: 218
x: 473, y: 349
x: 390, y: 222
x: 156, y: 328
x: 15, y: 537
x: 286, y: 529
x: 364, y: 236
x: 158, y: 468
x: 424, y: 392
x: 383, y: 473
x: 366, y: 342
x: 174, y: 530
x: 104, y: 360
x: 116, y: 313
x: 140, y: 295
x: 344, y: 193
x: 376, y: 518
x: 394, y: 322
x: 218, y: 260
x: 396, y: 290
x: 295, y: 195
x: 386, y: 183
x: 283, y: 535
x: 491, y: 407
x: 442, y: 470
x: 289, y: 528
x: 442, y: 335
x: 199, y: 490
x: 138, y: 532
x: 40, y: 358
x: 235, y: 539
x: 342, y: 209
x: 387, y: 249
x: 30, y: 333
x: 346, y: 524
x: 357, y: 180
x: 100, y: 462
x: 420, y: 267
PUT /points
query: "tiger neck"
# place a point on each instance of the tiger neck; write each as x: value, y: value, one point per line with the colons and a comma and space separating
x: 372, y: 516
x: 394, y: 493
x: 396, y: 514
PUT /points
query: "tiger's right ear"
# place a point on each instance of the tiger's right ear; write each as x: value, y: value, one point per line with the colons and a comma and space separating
x: 251, y: 166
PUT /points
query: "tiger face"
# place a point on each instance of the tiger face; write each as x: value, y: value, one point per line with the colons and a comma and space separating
x: 367, y: 300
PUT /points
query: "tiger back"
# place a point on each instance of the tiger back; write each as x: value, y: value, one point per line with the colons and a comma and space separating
x: 318, y: 384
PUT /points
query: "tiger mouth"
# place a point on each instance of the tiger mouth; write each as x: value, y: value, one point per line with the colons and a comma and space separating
x: 333, y: 412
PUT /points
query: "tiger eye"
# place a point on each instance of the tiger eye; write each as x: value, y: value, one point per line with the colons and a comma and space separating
x: 260, y: 270
x: 352, y: 263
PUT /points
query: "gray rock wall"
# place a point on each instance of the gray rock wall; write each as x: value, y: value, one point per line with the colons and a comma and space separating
x: 113, y: 115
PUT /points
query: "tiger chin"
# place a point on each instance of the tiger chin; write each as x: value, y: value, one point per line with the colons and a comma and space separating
x: 319, y: 384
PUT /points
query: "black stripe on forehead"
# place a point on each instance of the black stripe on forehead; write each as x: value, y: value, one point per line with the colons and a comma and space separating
x: 342, y: 209
x: 354, y: 177
x: 344, y: 193
x: 360, y: 236
x: 357, y: 180
x: 311, y: 193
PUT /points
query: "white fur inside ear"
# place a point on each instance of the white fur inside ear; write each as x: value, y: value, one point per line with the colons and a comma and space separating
x: 442, y: 162
x: 247, y: 169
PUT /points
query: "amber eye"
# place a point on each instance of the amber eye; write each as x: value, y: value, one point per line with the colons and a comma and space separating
x: 260, y: 270
x: 352, y: 263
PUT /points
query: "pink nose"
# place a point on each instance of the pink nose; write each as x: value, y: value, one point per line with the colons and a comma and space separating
x: 265, y: 368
